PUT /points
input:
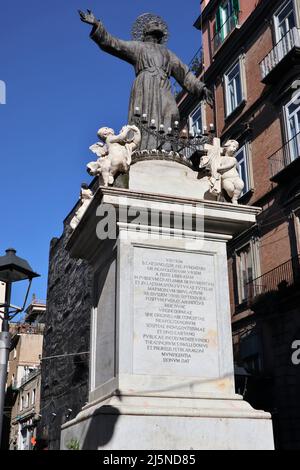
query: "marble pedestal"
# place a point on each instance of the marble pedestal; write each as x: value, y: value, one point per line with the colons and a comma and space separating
x: 161, y: 369
x: 170, y: 178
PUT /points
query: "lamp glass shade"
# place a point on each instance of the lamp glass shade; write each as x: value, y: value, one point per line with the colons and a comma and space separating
x: 13, y: 268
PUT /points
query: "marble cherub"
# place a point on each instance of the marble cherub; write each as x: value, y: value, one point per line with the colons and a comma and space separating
x: 223, y: 168
x: 113, y: 152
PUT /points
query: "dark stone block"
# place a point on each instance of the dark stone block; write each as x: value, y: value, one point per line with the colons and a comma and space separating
x: 69, y: 302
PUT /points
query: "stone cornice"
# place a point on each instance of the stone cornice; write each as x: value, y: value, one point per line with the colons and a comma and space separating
x: 221, y: 220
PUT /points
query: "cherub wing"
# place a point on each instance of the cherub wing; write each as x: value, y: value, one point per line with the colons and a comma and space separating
x: 99, y: 149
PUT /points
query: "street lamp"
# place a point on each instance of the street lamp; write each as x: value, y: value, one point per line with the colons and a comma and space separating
x: 12, y: 269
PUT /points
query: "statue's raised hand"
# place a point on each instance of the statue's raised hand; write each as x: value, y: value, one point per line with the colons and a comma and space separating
x: 88, y: 17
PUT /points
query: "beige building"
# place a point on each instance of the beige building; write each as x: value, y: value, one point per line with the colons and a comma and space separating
x: 26, y: 412
x: 23, y: 380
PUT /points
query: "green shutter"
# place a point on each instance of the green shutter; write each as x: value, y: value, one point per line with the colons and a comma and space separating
x: 218, y: 20
x: 236, y: 10
x: 236, y: 6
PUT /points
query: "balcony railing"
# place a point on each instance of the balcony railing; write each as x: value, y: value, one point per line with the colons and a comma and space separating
x: 285, y: 275
x: 280, y: 51
x: 196, y: 62
x: 224, y: 31
x: 194, y: 65
x: 30, y: 375
x: 285, y: 155
x: 25, y: 414
x: 26, y: 328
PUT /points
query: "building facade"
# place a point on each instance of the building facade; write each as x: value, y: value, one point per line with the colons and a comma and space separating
x: 26, y: 411
x: 251, y: 62
x: 24, y: 378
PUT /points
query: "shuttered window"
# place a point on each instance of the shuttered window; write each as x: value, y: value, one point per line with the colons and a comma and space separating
x: 227, y: 16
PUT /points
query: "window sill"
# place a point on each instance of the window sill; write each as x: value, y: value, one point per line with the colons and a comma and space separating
x: 236, y: 111
x: 232, y: 33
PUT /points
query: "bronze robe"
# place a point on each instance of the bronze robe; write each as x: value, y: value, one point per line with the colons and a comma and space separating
x: 151, y: 92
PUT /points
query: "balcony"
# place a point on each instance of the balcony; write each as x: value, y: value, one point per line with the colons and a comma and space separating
x: 282, y: 57
x: 27, y: 413
x: 195, y: 66
x: 30, y: 375
x: 285, y: 161
x: 223, y: 32
x: 36, y: 309
x: 20, y: 328
x: 195, y: 63
x: 277, y: 280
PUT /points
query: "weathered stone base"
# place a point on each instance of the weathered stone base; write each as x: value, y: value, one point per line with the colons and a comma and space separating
x: 149, y: 387
x: 169, y: 177
x: 152, y: 423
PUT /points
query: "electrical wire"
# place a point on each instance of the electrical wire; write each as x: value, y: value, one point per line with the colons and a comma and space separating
x: 64, y: 355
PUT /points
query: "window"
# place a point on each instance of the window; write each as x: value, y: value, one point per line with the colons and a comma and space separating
x: 247, y: 264
x: 226, y: 20
x: 27, y: 400
x: 22, y: 403
x: 234, y: 86
x: 292, y: 114
x: 284, y: 20
x: 33, y: 397
x: 15, y: 353
x: 244, y: 167
x: 196, y: 120
x: 245, y: 272
x: 296, y: 218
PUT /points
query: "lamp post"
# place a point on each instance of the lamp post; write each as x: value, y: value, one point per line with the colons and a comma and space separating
x: 12, y: 269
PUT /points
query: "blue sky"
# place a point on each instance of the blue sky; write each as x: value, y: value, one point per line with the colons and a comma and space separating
x: 60, y: 89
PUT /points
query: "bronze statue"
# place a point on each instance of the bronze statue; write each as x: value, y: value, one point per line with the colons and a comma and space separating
x: 154, y: 64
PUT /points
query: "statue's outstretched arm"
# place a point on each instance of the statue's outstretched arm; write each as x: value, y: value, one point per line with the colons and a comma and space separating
x: 125, y: 50
x: 188, y: 80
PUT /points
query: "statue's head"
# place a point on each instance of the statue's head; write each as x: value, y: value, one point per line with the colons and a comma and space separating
x: 150, y: 28
x: 103, y: 132
x: 231, y: 146
x: 153, y: 32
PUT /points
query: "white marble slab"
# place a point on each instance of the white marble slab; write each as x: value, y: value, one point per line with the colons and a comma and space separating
x: 175, y: 323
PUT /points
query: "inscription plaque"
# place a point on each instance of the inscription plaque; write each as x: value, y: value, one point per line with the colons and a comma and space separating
x: 175, y: 322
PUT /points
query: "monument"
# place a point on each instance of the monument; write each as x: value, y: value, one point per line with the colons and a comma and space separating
x: 155, y: 233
